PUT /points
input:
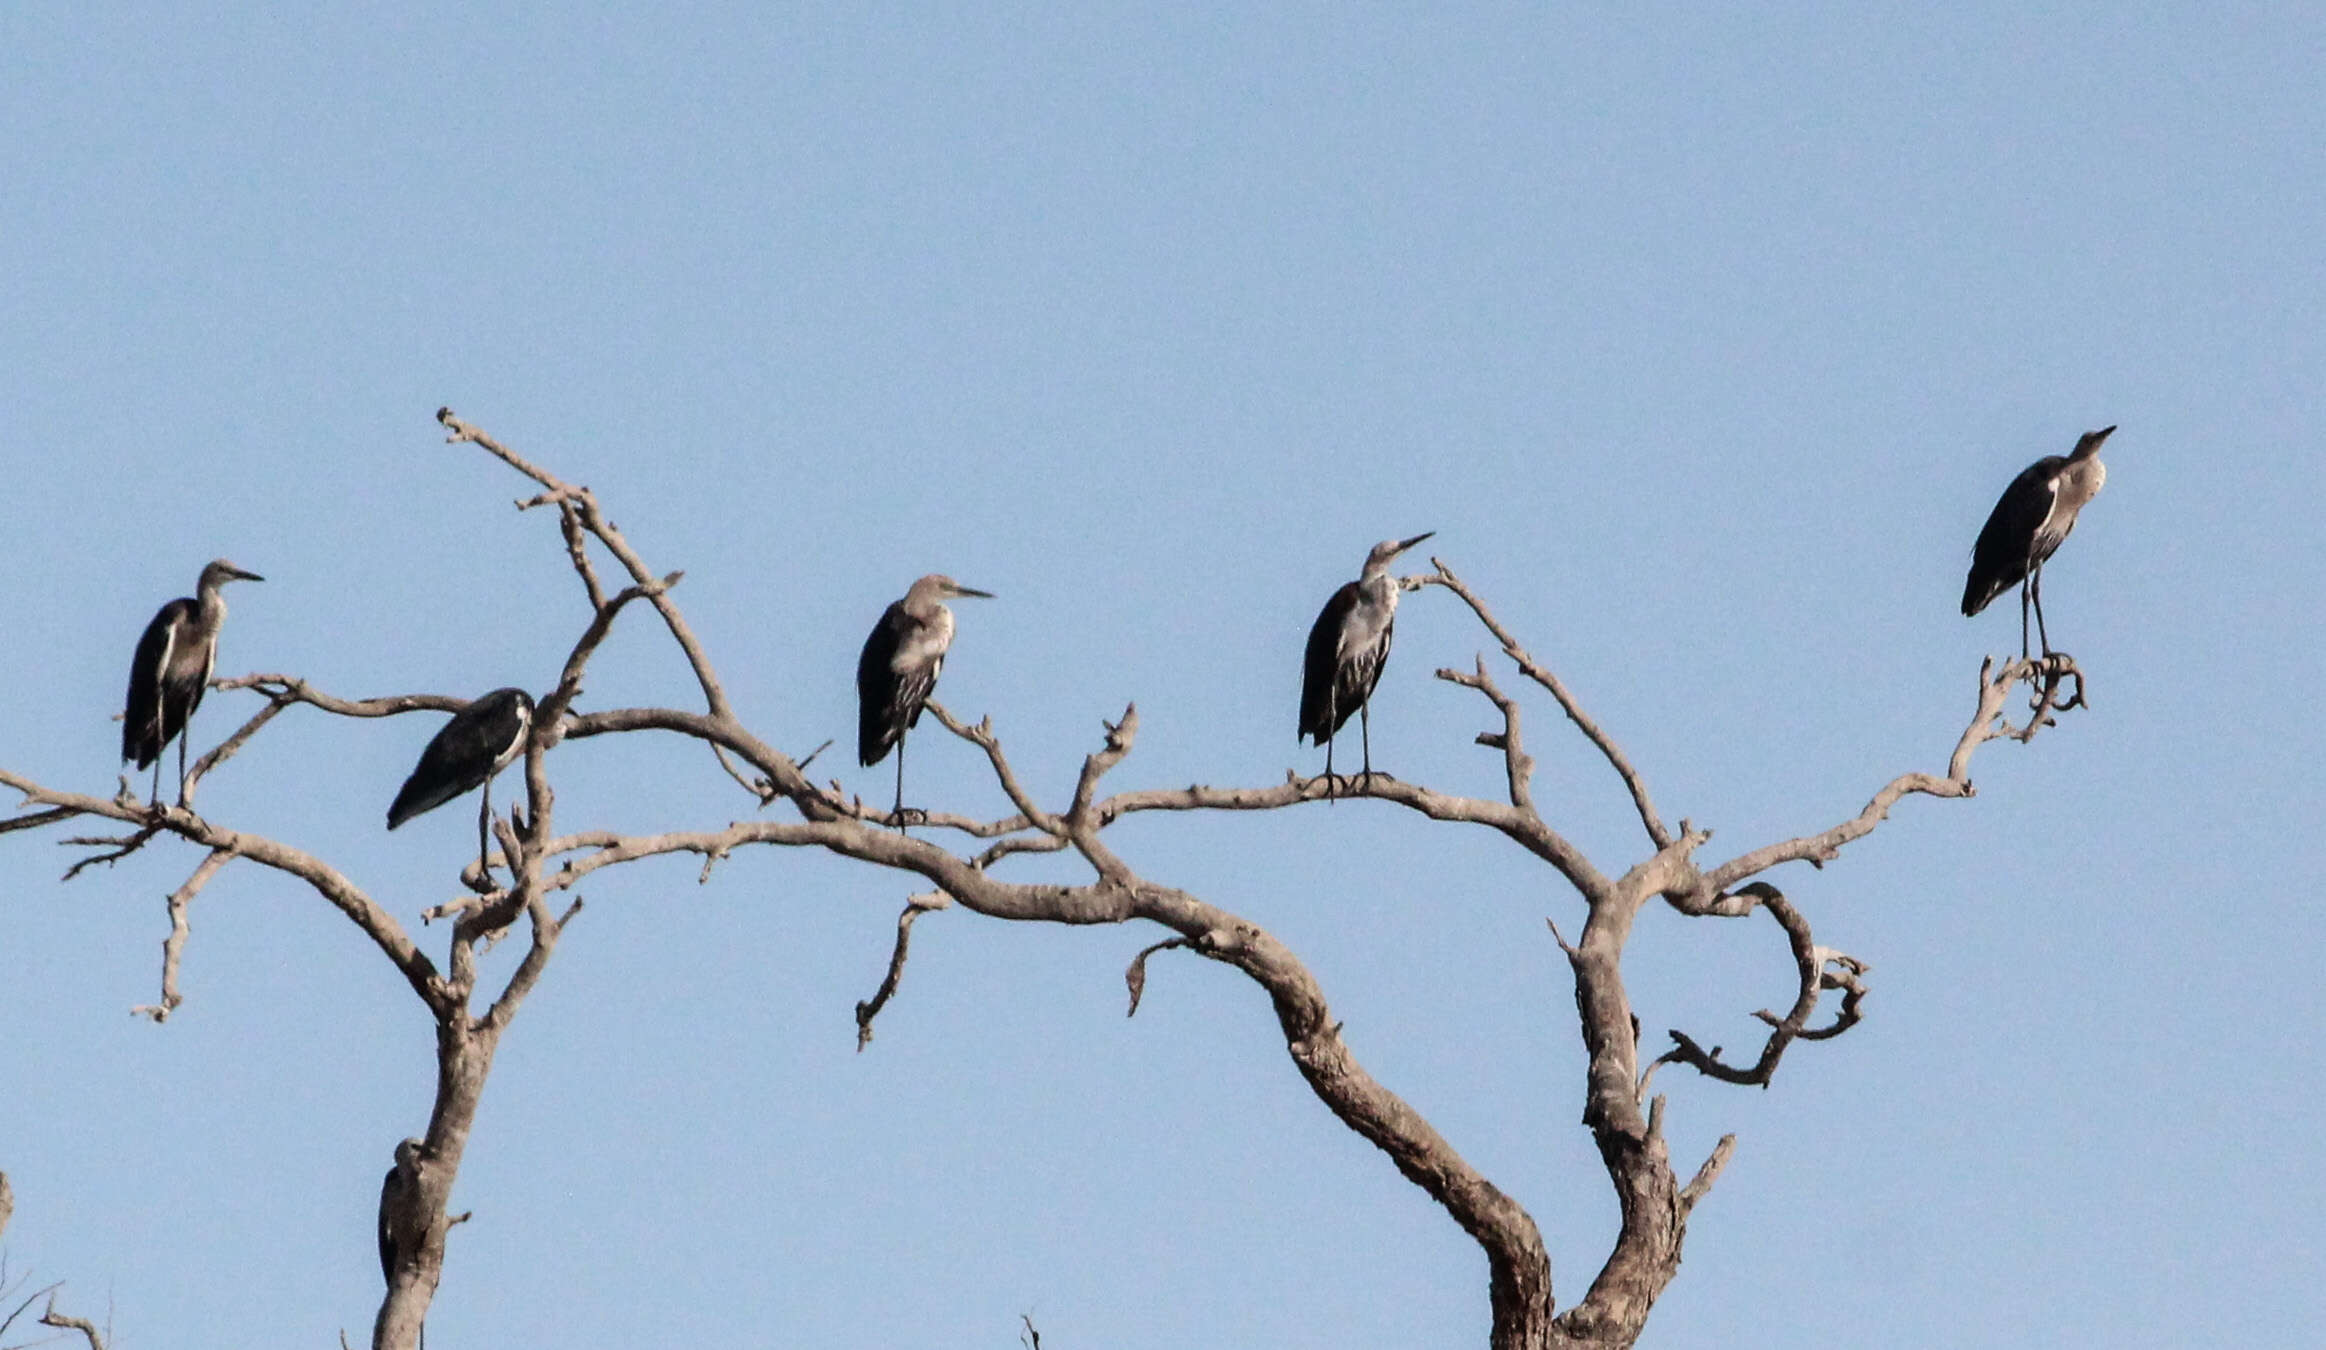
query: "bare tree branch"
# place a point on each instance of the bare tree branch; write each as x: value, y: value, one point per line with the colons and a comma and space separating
x: 1987, y: 723
x: 37, y: 819
x: 344, y: 895
x: 982, y: 736
x: 52, y: 1318
x: 1701, y: 1184
x: 1542, y: 675
x: 1136, y: 975
x: 1519, y: 766
x: 1819, y: 969
x: 174, y: 946
x: 870, y: 1008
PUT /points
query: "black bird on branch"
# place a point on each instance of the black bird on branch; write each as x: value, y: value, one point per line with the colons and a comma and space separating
x: 1346, y: 649
x: 899, y: 667
x: 171, y: 671
x: 481, y: 740
x: 2028, y: 525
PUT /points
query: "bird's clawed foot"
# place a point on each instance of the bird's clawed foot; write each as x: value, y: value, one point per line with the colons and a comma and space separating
x: 1358, y: 784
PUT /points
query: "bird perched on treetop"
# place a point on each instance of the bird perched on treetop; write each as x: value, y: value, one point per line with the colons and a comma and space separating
x: 2028, y: 525
x: 481, y: 740
x: 171, y: 671
x: 899, y: 667
x: 1347, y: 647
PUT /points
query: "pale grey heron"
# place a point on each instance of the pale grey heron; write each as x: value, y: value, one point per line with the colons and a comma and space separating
x: 1346, y: 649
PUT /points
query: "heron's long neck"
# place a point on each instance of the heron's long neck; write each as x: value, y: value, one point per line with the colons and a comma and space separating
x: 1378, y: 588
x: 2082, y: 481
x: 211, y: 602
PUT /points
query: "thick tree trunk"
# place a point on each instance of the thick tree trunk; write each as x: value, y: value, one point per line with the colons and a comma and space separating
x: 464, y: 1056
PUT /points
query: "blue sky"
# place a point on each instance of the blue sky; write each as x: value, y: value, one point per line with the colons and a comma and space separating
x: 1704, y: 341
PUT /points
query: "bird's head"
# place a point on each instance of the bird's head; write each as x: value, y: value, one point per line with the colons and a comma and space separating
x: 1377, y: 561
x: 220, y: 571
x: 938, y: 586
x: 2088, y: 444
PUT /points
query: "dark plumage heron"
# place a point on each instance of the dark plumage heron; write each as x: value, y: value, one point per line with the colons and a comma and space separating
x: 2027, y: 527
x: 1346, y: 650
x: 898, y: 669
x: 481, y: 740
x: 171, y: 671
x: 395, y: 1196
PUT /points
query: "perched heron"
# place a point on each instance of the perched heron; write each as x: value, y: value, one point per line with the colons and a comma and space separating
x: 171, y: 671
x: 395, y: 1195
x: 481, y: 740
x: 395, y: 1199
x: 898, y: 669
x: 1346, y: 650
x: 2027, y: 527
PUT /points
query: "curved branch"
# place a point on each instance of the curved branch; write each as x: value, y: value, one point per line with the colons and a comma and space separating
x: 174, y: 946
x: 582, y: 505
x: 982, y: 736
x: 344, y: 895
x: 2045, y: 676
x: 1818, y: 968
x: 52, y: 1318
x: 1528, y: 830
x: 870, y: 1008
x: 292, y: 689
x: 1518, y: 766
x: 1518, y: 1262
x: 1542, y: 675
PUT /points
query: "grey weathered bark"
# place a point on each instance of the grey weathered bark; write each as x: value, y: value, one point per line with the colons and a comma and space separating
x: 1625, y: 1121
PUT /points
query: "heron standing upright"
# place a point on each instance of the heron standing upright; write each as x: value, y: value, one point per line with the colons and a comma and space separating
x: 481, y: 740
x: 898, y: 669
x: 1346, y: 649
x: 171, y: 671
x: 2028, y: 525
x: 395, y: 1196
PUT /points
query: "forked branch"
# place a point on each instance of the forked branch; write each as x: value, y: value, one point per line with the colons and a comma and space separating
x: 1818, y: 969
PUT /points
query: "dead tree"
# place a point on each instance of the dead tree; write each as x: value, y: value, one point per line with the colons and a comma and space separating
x: 1626, y: 1120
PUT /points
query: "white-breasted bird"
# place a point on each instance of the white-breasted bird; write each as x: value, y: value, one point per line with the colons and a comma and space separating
x: 1347, y: 647
x: 171, y: 671
x: 898, y: 668
x: 2027, y: 526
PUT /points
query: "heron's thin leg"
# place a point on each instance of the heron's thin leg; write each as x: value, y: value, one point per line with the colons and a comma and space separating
x: 485, y: 831
x: 154, y: 799
x: 2023, y: 618
x: 1365, y: 730
x: 182, y: 733
x: 896, y: 814
x: 1332, y: 784
x: 2035, y: 584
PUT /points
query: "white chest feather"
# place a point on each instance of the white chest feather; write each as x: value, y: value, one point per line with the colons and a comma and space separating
x: 925, y: 643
